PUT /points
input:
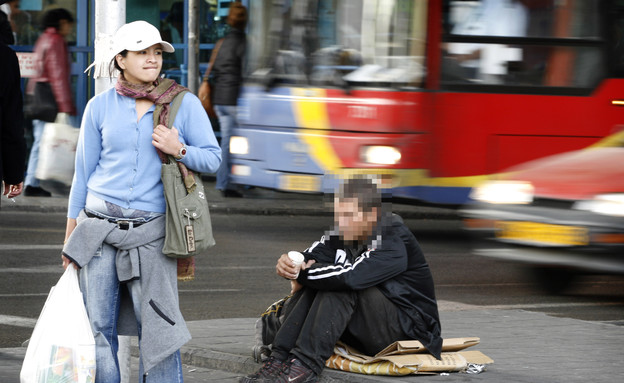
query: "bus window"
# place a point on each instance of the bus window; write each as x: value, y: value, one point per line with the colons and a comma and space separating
x: 616, y: 36
x: 524, y: 43
x: 338, y: 43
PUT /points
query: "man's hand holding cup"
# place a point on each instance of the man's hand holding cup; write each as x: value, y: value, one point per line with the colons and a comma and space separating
x: 289, y: 265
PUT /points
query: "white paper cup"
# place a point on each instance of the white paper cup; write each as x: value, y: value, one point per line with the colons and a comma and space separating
x: 297, y: 259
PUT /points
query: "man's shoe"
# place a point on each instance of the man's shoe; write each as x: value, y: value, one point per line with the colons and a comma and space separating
x: 296, y: 372
x: 267, y: 373
x: 32, y: 191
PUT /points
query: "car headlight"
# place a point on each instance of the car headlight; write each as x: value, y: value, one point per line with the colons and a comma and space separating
x: 503, y: 192
x: 380, y: 155
x: 607, y: 204
x: 239, y: 145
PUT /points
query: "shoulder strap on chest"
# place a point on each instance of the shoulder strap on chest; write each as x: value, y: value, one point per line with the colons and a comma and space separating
x: 174, y: 107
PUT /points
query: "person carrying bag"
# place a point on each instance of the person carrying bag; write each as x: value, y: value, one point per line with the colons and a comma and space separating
x: 49, y: 92
x: 117, y: 208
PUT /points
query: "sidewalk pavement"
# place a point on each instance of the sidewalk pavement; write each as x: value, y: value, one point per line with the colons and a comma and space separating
x: 525, y: 346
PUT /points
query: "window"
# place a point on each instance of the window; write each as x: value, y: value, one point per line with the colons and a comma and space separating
x: 527, y: 44
x: 338, y: 43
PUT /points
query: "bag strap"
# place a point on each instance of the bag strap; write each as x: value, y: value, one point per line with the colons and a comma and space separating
x: 174, y: 107
x: 213, y: 58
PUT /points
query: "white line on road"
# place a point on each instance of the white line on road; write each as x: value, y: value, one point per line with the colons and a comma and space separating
x: 56, y: 269
x: 23, y: 295
x: 11, y: 320
x: 30, y: 247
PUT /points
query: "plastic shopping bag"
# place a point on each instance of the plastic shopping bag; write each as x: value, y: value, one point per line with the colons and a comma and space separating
x: 62, y: 347
x: 57, y: 150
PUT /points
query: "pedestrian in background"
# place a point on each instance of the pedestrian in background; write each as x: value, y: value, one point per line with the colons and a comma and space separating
x: 52, y: 59
x: 12, y: 142
x: 227, y: 77
x: 116, y: 215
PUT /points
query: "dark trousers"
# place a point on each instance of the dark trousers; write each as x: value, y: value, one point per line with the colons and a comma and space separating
x: 315, y: 320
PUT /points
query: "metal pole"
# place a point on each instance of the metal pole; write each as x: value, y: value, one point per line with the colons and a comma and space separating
x: 193, y: 46
x: 109, y: 16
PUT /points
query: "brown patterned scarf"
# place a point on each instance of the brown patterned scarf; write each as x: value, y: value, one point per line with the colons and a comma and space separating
x: 161, y: 92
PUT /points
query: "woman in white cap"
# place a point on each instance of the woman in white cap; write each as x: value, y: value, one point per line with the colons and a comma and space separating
x: 117, y: 188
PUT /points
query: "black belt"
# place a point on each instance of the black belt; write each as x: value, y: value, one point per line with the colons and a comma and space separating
x: 122, y: 224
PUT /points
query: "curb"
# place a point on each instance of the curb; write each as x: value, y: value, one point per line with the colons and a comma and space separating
x: 241, y: 365
x: 251, y: 207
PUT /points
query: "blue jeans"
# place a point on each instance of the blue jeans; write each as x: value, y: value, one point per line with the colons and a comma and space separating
x: 227, y: 122
x: 33, y: 159
x: 102, y: 295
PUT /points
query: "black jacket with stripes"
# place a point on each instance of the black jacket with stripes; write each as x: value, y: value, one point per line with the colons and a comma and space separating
x: 395, y: 263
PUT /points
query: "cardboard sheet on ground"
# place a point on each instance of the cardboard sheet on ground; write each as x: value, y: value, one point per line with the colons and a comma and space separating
x: 409, y: 357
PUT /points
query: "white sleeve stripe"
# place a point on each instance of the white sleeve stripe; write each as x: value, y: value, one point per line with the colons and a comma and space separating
x: 327, y: 275
x: 322, y: 269
x: 333, y: 270
x: 315, y: 244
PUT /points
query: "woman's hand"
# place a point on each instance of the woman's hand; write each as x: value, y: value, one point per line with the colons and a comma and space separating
x: 166, y: 140
x: 67, y: 262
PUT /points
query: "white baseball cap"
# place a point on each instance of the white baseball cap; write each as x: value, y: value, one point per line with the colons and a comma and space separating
x: 138, y: 35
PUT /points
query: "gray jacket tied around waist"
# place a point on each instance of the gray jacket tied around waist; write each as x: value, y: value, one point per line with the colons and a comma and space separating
x: 139, y: 257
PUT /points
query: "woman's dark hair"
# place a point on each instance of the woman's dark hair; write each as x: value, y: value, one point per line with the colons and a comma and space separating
x: 53, y: 17
x: 115, y: 65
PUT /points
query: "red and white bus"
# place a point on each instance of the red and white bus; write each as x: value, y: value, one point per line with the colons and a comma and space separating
x: 437, y: 94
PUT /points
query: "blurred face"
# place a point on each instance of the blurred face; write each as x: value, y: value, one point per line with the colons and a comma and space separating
x: 142, y: 67
x: 65, y: 28
x: 353, y: 223
x: 15, y: 6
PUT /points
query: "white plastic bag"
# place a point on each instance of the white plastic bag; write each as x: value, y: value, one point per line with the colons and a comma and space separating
x: 57, y: 150
x: 62, y: 347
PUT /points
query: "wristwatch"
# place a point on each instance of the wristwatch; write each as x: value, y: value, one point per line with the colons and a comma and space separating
x: 181, y: 153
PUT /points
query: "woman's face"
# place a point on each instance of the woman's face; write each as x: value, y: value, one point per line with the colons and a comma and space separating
x: 65, y: 27
x: 142, y: 67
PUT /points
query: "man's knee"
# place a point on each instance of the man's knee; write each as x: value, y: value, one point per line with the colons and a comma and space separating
x: 371, y: 297
x: 338, y: 297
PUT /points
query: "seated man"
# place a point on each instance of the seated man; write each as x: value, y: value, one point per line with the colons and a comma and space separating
x: 366, y: 283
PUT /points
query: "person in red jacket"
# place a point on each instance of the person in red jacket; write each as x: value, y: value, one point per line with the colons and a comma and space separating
x: 52, y: 57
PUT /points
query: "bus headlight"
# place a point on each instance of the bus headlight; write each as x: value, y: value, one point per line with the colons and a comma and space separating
x: 503, y: 192
x: 380, y: 155
x: 239, y: 145
x: 607, y: 204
